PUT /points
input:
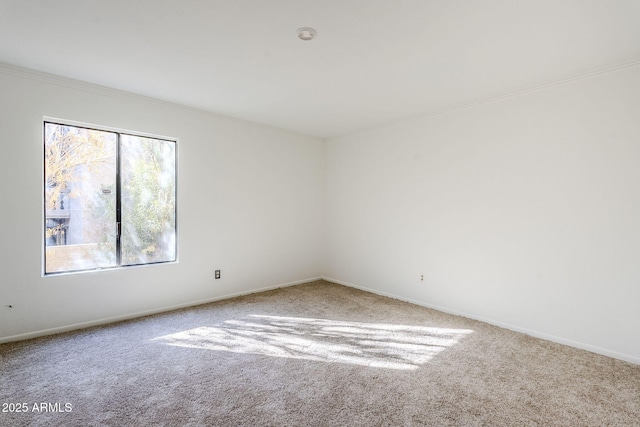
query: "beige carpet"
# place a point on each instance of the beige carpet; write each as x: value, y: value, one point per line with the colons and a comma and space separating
x: 311, y: 355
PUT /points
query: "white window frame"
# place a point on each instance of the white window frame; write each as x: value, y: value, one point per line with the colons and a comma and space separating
x: 119, y: 131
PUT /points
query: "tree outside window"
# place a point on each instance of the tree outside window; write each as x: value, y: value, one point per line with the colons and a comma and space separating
x: 110, y: 199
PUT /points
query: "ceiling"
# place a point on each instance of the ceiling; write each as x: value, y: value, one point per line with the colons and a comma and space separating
x: 373, y: 62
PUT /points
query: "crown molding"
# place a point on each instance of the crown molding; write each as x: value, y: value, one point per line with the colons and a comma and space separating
x: 130, y: 96
x: 488, y: 100
x: 97, y: 89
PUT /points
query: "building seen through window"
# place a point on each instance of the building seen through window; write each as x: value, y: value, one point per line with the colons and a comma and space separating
x: 110, y: 199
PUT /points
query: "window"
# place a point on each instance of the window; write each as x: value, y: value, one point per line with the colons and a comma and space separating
x: 109, y: 197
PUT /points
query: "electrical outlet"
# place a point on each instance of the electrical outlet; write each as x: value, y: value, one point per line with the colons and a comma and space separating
x: 422, y: 277
x: 217, y: 274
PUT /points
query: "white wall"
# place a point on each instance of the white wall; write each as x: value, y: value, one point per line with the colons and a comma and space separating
x: 524, y: 212
x: 250, y: 204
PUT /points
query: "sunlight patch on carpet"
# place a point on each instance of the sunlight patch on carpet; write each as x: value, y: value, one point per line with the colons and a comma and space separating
x: 377, y: 345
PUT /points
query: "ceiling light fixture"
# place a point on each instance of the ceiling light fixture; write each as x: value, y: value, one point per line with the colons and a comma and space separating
x: 306, y: 33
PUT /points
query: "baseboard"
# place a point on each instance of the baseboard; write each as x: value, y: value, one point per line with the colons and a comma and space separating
x: 104, y: 321
x: 580, y: 345
x: 533, y: 333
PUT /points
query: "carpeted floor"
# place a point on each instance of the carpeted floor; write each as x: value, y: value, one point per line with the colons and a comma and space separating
x: 317, y: 354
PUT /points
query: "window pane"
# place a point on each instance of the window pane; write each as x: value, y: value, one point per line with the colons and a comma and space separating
x: 80, y: 198
x: 147, y: 172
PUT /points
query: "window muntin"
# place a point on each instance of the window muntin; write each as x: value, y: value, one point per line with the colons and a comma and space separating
x: 110, y: 199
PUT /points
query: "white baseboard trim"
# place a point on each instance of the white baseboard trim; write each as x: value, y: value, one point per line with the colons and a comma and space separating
x: 104, y: 321
x: 594, y: 349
